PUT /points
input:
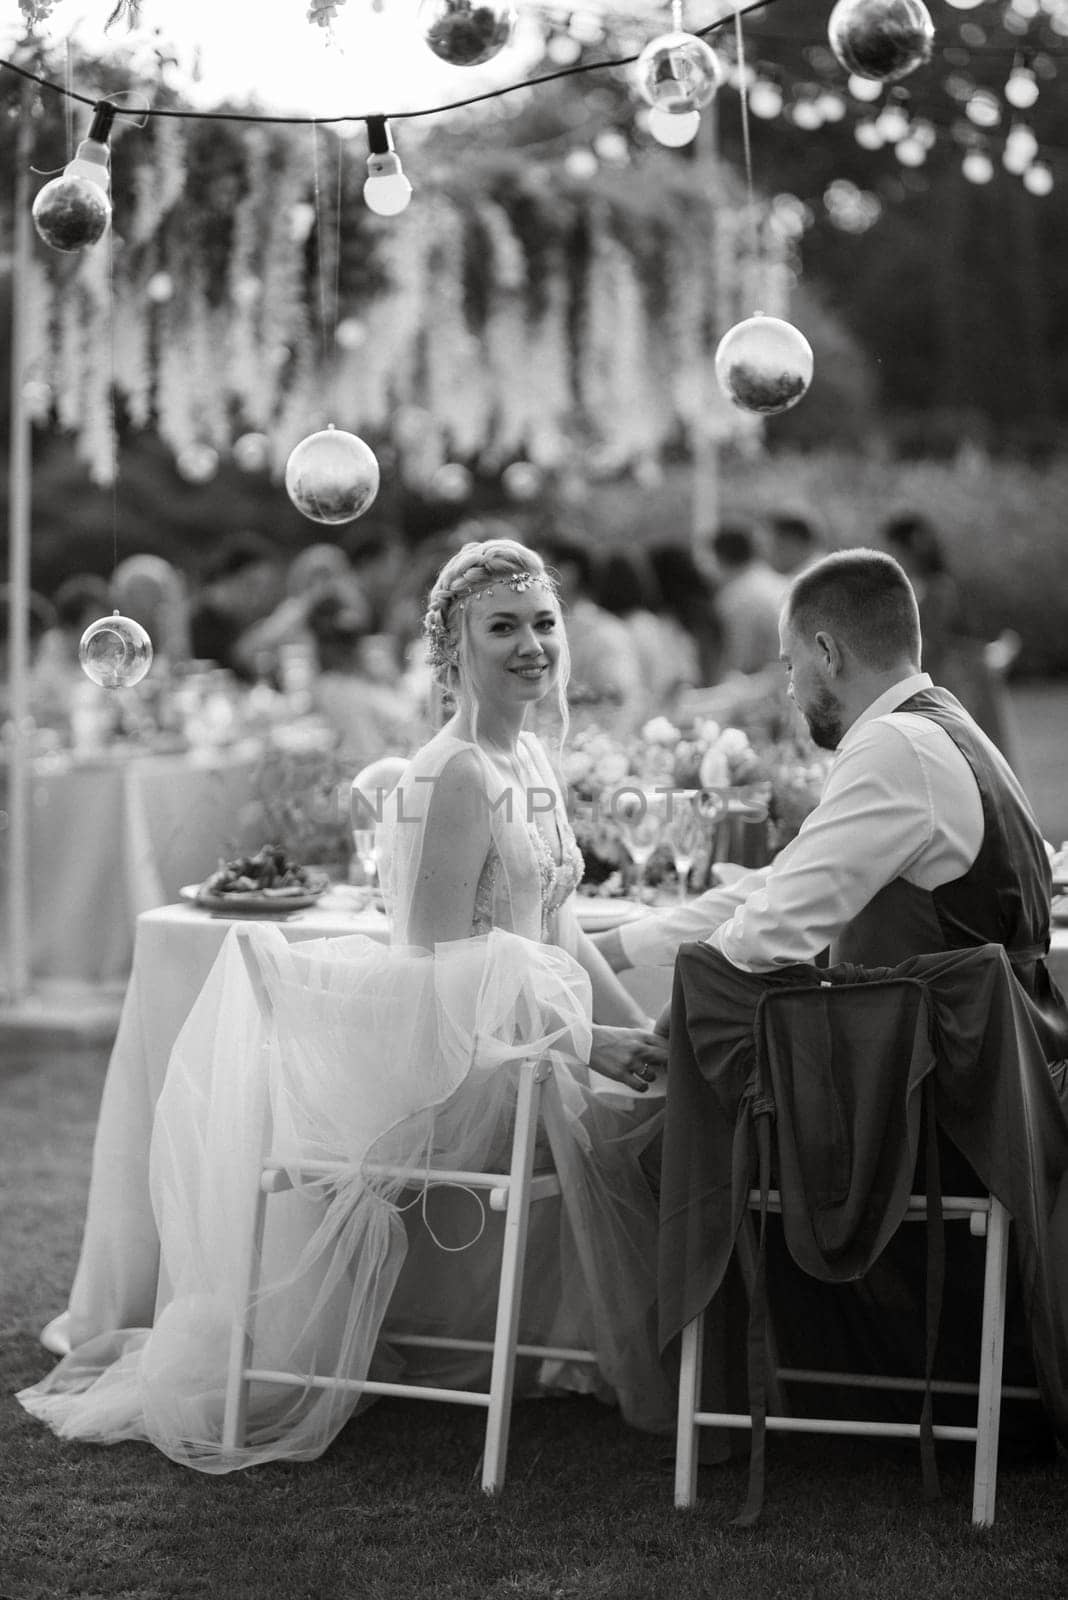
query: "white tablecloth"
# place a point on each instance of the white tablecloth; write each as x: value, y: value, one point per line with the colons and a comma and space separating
x: 111, y: 837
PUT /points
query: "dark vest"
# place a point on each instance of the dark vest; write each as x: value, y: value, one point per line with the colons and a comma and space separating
x: 1003, y: 898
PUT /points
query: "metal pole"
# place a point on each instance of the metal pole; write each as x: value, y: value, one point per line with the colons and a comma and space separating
x: 705, y: 493
x: 18, y: 832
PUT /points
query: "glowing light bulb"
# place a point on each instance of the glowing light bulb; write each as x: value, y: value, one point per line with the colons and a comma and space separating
x: 1038, y: 179
x: 977, y: 167
x: 73, y: 211
x: 1021, y: 90
x: 386, y: 191
x: 673, y: 128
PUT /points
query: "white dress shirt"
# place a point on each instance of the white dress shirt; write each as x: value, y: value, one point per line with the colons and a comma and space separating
x: 900, y: 801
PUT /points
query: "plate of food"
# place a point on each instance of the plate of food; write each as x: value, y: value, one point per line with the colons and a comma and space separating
x: 269, y: 883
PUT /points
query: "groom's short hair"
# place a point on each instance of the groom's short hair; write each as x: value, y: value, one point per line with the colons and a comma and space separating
x: 865, y: 600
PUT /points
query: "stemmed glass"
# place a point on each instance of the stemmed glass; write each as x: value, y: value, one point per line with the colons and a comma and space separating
x: 641, y: 826
x: 363, y: 840
x: 685, y: 829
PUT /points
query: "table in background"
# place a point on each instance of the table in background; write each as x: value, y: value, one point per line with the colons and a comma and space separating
x: 116, y: 834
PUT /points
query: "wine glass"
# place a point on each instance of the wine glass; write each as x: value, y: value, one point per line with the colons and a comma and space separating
x: 685, y: 829
x: 363, y: 840
x: 641, y: 826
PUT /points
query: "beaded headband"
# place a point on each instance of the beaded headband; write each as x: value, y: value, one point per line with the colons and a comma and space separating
x: 441, y: 647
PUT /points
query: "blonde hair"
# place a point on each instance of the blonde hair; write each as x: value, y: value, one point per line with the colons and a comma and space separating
x: 475, y: 569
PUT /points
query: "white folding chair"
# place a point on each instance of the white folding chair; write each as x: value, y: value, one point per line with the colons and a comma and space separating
x: 986, y: 1217
x: 512, y: 1192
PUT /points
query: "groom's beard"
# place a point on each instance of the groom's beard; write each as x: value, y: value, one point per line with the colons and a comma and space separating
x: 824, y: 718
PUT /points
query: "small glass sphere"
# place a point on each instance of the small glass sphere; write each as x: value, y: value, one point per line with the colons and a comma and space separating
x: 764, y: 364
x: 881, y: 39
x: 115, y: 652
x: 71, y: 213
x: 977, y: 167
x: 674, y: 128
x: 678, y: 72
x: 465, y: 33
x: 198, y: 463
x: 332, y: 476
x: 1038, y: 179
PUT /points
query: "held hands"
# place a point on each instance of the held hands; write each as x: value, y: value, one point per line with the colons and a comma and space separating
x: 632, y: 1056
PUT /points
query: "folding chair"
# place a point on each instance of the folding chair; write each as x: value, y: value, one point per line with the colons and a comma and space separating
x: 829, y: 1095
x: 986, y: 1218
x: 512, y: 1192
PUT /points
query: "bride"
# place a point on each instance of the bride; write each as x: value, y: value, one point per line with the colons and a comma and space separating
x: 405, y: 1056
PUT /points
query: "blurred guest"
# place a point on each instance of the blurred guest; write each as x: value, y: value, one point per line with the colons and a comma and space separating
x: 953, y: 652
x: 242, y: 583
x: 625, y: 584
x: 371, y: 717
x: 271, y: 646
x: 792, y: 543
x: 605, y: 676
x: 748, y: 601
x: 154, y: 593
x: 688, y: 600
x: 380, y: 561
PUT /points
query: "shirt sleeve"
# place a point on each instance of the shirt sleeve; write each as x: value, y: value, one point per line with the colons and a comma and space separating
x: 652, y: 941
x: 875, y: 819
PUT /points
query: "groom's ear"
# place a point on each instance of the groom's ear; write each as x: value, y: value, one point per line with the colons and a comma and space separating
x: 830, y: 653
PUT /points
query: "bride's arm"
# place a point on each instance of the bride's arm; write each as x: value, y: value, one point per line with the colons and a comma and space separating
x: 455, y: 846
x: 611, y: 1002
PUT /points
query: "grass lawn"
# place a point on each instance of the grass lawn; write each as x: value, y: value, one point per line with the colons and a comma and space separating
x: 394, y: 1508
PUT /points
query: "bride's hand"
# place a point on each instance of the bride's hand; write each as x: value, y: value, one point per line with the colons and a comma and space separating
x: 632, y: 1056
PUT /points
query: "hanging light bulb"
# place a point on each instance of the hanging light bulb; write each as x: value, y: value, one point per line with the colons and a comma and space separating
x: 332, y: 476
x: 673, y: 128
x: 977, y: 167
x: 465, y: 33
x: 678, y: 72
x: 881, y: 39
x: 1021, y: 90
x: 74, y: 210
x: 764, y: 364
x: 386, y: 191
x: 1021, y: 148
x: 115, y: 652
x: 1038, y: 179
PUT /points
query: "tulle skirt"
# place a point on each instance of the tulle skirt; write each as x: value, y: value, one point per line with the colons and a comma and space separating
x: 373, y: 1057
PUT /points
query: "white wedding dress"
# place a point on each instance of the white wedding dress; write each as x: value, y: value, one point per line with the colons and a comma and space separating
x: 405, y: 1057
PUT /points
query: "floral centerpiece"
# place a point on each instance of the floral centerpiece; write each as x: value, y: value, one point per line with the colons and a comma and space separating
x: 756, y: 794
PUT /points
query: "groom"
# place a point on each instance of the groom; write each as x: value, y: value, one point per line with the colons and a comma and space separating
x: 923, y: 842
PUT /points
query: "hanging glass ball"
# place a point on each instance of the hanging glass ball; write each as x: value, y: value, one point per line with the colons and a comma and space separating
x: 521, y: 480
x: 71, y: 213
x: 678, y: 72
x: 115, y: 652
x: 764, y: 364
x: 881, y: 39
x: 465, y: 33
x: 332, y: 476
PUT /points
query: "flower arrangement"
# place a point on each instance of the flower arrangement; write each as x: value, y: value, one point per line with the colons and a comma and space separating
x: 613, y: 783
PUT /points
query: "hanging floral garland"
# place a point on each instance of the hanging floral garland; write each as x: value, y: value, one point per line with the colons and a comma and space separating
x: 523, y: 317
